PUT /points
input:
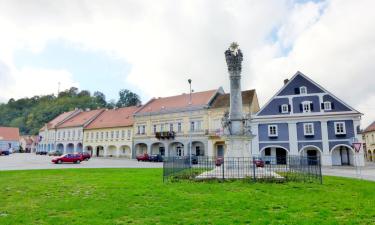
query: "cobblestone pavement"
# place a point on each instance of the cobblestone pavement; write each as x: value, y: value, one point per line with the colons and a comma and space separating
x: 27, y: 161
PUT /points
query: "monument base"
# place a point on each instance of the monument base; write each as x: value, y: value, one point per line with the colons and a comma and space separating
x: 238, y: 146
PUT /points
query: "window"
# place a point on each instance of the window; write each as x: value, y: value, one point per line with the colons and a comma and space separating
x: 267, y: 152
x: 129, y: 133
x: 327, y: 106
x: 154, y: 129
x: 112, y: 133
x: 101, y: 135
x: 139, y: 130
x: 92, y: 135
x: 272, y: 130
x: 192, y: 126
x: 303, y: 90
x: 117, y: 134
x: 97, y: 135
x: 87, y: 135
x: 179, y: 127
x: 306, y: 106
x: 199, y: 125
x: 340, y: 128
x: 123, y: 134
x: 308, y: 129
x: 162, y: 127
x: 171, y: 127
x: 143, y: 129
x: 284, y: 108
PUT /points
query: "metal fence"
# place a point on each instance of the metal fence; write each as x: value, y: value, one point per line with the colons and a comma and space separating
x: 274, y: 169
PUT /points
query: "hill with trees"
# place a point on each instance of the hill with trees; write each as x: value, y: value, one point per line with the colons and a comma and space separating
x: 30, y: 114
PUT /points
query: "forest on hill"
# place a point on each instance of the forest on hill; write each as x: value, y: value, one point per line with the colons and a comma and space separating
x: 30, y: 114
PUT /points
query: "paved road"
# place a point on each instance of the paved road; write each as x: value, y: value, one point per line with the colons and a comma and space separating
x: 28, y: 161
x: 366, y: 173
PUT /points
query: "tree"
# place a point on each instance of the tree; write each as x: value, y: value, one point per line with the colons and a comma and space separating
x: 100, y: 99
x: 111, y: 104
x: 84, y: 93
x: 127, y: 98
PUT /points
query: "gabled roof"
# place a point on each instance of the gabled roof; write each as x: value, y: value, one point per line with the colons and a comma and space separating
x: 120, y: 117
x: 58, y: 119
x: 9, y: 134
x: 81, y: 119
x: 178, y: 102
x: 298, y: 73
x: 370, y: 128
x: 223, y: 101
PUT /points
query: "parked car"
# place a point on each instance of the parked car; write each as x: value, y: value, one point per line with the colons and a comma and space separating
x: 143, y: 157
x: 55, y: 153
x: 41, y: 152
x: 4, y: 152
x: 85, y: 155
x: 259, y: 163
x: 156, y: 158
x: 219, y: 161
x: 68, y: 158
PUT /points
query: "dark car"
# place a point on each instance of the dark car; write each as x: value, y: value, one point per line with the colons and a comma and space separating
x: 4, y: 152
x: 156, y: 158
x: 259, y: 163
x: 55, y: 153
x: 68, y: 158
x: 41, y: 152
x: 85, y: 155
x: 219, y: 161
x: 143, y: 157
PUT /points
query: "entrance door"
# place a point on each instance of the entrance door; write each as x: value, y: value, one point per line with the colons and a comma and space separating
x: 162, y: 151
x: 197, y: 151
x: 312, y: 157
x: 280, y: 156
x: 179, y: 151
x: 97, y: 152
x: 344, y: 156
x: 220, y: 151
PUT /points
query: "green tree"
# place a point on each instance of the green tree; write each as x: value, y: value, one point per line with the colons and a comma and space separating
x: 127, y: 98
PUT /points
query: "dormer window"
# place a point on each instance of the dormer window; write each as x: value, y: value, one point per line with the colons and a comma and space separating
x: 272, y: 131
x: 284, y: 108
x: 327, y: 105
x: 306, y: 106
x: 303, y: 90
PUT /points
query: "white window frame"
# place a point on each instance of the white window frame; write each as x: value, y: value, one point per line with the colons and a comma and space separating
x: 192, y: 126
x: 276, y: 133
x: 306, y: 103
x: 179, y: 127
x: 336, y: 124
x: 171, y: 127
x: 283, y: 109
x: 306, y: 129
x: 303, y: 92
x: 154, y: 128
x: 329, y: 104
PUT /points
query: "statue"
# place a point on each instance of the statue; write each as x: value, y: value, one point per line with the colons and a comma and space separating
x: 234, y: 58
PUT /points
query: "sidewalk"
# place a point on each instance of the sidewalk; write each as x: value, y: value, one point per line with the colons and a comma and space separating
x: 367, y: 172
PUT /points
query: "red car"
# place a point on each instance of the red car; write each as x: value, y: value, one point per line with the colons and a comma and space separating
x: 143, y: 157
x: 68, y: 158
x: 219, y: 161
x: 85, y: 155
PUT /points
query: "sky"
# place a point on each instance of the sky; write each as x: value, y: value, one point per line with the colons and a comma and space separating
x: 153, y: 47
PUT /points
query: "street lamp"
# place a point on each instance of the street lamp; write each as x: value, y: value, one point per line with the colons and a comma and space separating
x: 190, y: 131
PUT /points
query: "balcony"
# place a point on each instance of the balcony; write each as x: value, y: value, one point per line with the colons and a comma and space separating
x: 165, y: 135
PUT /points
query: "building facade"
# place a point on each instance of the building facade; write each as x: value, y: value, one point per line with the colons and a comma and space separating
x: 29, y: 143
x: 69, y: 133
x: 167, y: 125
x: 111, y: 133
x: 9, y: 138
x: 47, y: 134
x: 305, y: 119
x: 369, y: 142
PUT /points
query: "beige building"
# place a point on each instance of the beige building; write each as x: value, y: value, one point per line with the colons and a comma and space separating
x: 166, y: 125
x: 369, y: 142
x: 111, y: 133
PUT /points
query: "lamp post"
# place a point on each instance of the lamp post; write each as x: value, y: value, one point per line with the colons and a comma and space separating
x: 190, y: 131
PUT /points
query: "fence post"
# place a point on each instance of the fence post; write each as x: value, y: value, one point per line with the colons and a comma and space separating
x: 223, y: 168
x: 320, y: 172
x: 254, y: 178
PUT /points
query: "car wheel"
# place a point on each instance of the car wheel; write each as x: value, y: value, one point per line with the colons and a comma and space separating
x: 59, y: 162
x: 78, y: 161
x: 87, y: 159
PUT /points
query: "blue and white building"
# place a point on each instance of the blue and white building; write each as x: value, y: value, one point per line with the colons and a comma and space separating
x: 305, y: 119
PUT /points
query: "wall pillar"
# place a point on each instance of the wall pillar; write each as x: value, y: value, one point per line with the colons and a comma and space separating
x: 255, y: 141
x: 293, y: 139
x: 326, y: 156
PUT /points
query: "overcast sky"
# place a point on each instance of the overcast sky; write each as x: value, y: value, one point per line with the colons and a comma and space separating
x: 153, y: 47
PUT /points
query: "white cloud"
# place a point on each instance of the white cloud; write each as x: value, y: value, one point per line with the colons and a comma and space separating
x: 167, y: 42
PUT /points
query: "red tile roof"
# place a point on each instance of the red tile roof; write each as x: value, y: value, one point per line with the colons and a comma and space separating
x: 81, y: 118
x: 177, y: 102
x: 51, y: 124
x: 9, y: 134
x: 120, y: 117
x: 223, y: 101
x: 370, y: 128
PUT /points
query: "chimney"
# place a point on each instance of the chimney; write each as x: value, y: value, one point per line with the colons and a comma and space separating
x: 286, y: 81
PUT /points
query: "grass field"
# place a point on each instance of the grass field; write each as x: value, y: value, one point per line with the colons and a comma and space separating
x: 138, y: 196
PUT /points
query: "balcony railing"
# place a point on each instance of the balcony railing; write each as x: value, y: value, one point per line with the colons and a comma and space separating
x: 165, y: 135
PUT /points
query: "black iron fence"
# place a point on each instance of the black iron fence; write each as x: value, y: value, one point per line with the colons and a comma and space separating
x: 276, y: 169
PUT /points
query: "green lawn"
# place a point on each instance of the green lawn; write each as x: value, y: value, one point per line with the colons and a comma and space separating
x: 138, y: 196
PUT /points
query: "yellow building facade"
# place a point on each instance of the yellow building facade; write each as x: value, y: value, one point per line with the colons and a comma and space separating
x: 369, y: 141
